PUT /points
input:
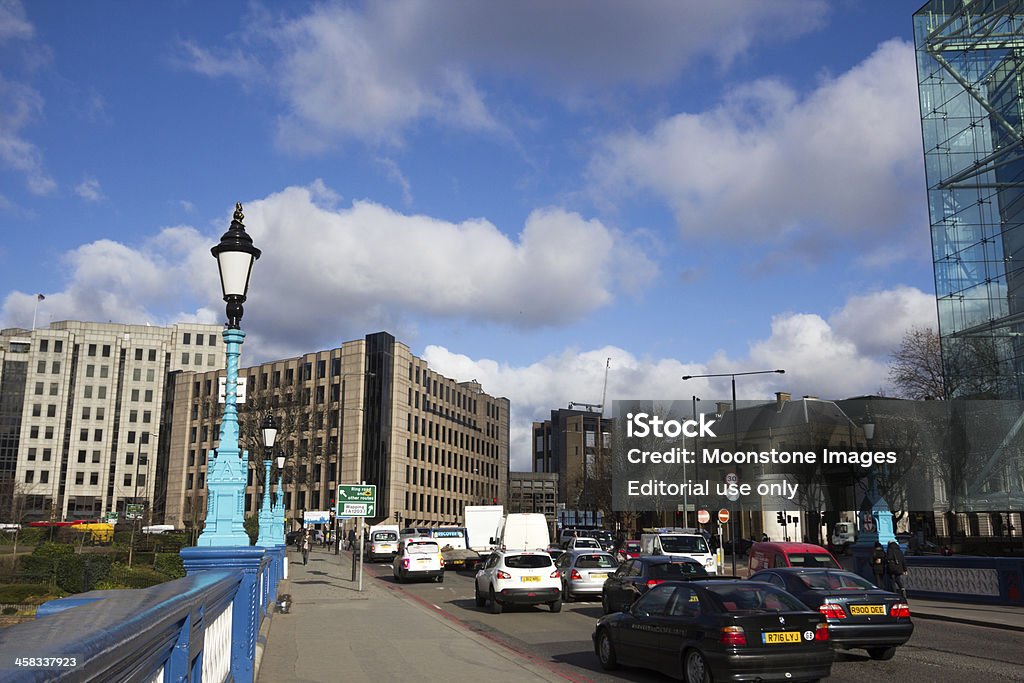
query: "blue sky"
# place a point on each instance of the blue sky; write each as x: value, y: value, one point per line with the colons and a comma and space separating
x: 518, y: 191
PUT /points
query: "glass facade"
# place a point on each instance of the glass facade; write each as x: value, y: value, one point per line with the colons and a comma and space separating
x: 969, y: 66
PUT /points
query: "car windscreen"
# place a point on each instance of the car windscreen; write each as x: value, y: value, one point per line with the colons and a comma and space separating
x: 811, y: 560
x: 422, y: 549
x: 762, y: 597
x: 684, y: 544
x: 385, y: 536
x: 528, y: 561
x: 835, y: 580
x: 595, y: 562
x: 671, y: 570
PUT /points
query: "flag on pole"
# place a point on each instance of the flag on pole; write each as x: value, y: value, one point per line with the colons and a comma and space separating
x: 39, y: 297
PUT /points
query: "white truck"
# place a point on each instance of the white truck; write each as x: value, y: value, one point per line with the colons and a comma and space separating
x: 482, y: 522
x: 524, y: 531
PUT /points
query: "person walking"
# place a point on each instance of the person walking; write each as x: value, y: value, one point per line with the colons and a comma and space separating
x: 896, y: 565
x: 307, y: 545
x: 878, y: 564
x: 351, y: 539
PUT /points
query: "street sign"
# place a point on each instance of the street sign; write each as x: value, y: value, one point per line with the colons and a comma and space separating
x: 732, y: 478
x: 357, y: 500
x: 222, y: 390
x: 133, y: 511
x: 703, y: 516
x: 723, y: 516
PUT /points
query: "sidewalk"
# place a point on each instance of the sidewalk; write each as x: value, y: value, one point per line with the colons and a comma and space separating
x: 335, y: 632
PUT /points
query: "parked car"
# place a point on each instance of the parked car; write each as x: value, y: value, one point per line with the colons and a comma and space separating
x: 518, y: 577
x: 292, y: 538
x: 718, y: 630
x: 584, y: 572
x: 418, y: 558
x: 628, y: 550
x: 860, y: 615
x: 635, y: 577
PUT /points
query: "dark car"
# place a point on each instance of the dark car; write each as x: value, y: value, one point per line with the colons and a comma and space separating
x: 720, y: 630
x: 635, y: 577
x: 860, y: 615
x: 292, y: 538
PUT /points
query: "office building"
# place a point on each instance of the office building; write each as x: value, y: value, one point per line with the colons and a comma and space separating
x: 81, y: 407
x: 367, y: 412
x: 970, y: 83
x: 567, y: 445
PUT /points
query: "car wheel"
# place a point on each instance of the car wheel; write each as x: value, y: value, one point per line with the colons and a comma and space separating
x: 606, y: 651
x: 495, y: 605
x: 440, y: 578
x: 556, y: 605
x: 882, y: 654
x: 480, y: 599
x: 400, y: 578
x: 696, y: 668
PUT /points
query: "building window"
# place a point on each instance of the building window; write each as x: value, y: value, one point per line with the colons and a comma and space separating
x: 184, y: 359
x: 54, y: 388
x: 55, y: 367
x: 135, y: 395
x: 106, y: 350
x: 44, y: 476
x: 138, y: 354
x: 51, y: 410
x: 152, y: 354
x: 58, y: 346
x: 31, y: 454
x: 186, y: 338
x: 81, y: 456
x: 127, y: 479
x: 101, y: 392
x: 30, y: 476
x: 92, y: 349
x: 79, y: 478
x: 95, y: 456
x: 94, y: 478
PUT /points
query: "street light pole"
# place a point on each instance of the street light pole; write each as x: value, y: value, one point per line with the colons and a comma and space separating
x: 228, y: 466
x: 735, y: 431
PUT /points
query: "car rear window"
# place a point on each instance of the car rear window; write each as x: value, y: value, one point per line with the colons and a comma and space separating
x: 835, y: 580
x: 595, y: 562
x: 745, y: 598
x: 811, y: 560
x: 385, y: 536
x: 527, y: 561
x: 423, y: 548
x: 684, y: 544
x: 670, y: 570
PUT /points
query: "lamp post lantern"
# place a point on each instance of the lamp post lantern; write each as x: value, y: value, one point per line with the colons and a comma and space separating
x: 225, y: 509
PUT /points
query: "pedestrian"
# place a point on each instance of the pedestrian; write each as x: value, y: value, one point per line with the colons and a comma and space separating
x: 896, y: 565
x: 878, y: 564
x: 351, y: 539
x: 307, y: 544
x: 764, y: 538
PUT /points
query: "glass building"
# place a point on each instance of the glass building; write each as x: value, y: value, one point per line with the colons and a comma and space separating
x: 971, y: 85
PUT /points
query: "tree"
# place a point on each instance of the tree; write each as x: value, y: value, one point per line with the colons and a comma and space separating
x: 916, y: 366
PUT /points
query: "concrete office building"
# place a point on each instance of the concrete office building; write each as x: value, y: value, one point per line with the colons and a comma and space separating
x: 969, y: 73
x: 563, y: 444
x: 534, y: 492
x: 81, y: 406
x: 368, y: 412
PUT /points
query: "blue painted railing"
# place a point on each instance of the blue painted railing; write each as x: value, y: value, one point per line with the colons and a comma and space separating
x: 964, y: 578
x: 203, y: 627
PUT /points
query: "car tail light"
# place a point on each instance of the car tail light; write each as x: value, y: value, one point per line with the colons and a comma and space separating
x: 503, y: 575
x: 575, y: 576
x: 732, y: 635
x: 442, y: 563
x: 821, y: 632
x: 651, y: 583
x: 555, y: 575
x: 831, y: 610
x: 900, y: 609
x: 405, y: 563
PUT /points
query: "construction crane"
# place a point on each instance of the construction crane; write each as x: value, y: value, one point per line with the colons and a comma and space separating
x: 595, y: 407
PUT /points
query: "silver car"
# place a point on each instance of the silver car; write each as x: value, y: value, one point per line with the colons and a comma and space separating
x: 584, y: 572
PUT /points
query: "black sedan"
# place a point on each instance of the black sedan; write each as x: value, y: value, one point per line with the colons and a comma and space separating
x: 634, y: 577
x: 718, y: 630
x: 860, y: 615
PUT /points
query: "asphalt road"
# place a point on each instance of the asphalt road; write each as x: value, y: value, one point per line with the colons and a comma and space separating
x: 939, y: 651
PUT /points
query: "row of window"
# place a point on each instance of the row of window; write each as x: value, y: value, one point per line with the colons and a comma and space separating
x: 211, y: 339
x: 441, y: 480
x: 58, y: 345
x: 211, y: 358
x: 441, y: 391
x: 452, y: 437
x: 41, y: 367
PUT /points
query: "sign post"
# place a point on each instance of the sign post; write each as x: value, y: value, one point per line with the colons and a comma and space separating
x: 723, y: 518
x: 357, y: 500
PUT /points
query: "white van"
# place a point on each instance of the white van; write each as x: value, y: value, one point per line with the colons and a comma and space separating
x: 676, y: 544
x: 381, y: 542
x: 524, y: 531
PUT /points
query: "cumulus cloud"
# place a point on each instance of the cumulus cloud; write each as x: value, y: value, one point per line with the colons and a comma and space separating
x: 370, y: 72
x: 832, y: 359
x: 328, y: 272
x: 771, y: 165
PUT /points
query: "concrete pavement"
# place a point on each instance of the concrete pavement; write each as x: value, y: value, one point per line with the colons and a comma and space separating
x: 334, y: 632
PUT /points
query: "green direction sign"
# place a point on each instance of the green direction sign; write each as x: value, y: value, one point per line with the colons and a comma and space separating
x: 133, y: 511
x: 357, y: 500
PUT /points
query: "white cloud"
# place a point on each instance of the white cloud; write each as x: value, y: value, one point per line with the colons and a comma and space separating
x: 13, y: 24
x: 20, y: 105
x: 833, y: 359
x: 89, y: 190
x: 371, y: 72
x: 771, y: 165
x: 329, y: 272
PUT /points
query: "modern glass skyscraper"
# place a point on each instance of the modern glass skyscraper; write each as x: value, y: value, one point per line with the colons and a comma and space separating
x: 971, y: 84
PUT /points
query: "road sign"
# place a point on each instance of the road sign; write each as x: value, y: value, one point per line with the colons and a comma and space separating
x: 357, y: 500
x: 723, y: 516
x: 133, y: 511
x: 703, y: 516
x: 732, y: 478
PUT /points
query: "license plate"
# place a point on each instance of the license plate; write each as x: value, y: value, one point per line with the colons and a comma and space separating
x: 598, y: 576
x: 867, y: 609
x: 777, y: 637
x: 530, y: 579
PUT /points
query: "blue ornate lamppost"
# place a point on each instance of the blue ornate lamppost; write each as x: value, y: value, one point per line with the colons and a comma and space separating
x: 269, y: 430
x: 278, y: 505
x: 225, y: 509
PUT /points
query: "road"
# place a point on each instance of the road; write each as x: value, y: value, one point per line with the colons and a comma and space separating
x: 935, y: 653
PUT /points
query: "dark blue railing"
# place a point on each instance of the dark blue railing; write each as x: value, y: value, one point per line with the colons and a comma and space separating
x: 203, y: 627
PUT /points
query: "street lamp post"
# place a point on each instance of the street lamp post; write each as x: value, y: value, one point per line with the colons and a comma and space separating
x: 735, y: 429
x: 225, y: 481
x: 269, y: 431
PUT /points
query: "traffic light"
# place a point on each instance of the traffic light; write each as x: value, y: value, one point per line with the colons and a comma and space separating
x: 780, y: 518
